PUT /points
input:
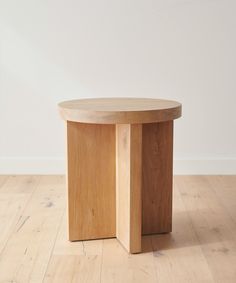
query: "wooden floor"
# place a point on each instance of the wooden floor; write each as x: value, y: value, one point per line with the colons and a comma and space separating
x: 34, y: 245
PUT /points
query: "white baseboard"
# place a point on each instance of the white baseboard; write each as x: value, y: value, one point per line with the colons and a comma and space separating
x: 50, y: 166
x: 205, y: 166
x: 34, y: 165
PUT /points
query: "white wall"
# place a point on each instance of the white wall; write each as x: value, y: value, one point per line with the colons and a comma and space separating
x: 177, y: 49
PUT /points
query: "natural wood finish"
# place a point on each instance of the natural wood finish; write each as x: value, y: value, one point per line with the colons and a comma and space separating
x: 33, y: 212
x: 157, y: 160
x: 143, y: 156
x: 128, y: 185
x: 118, y: 266
x: 201, y: 247
x: 91, y: 181
x: 15, y: 192
x: 143, y: 175
x: 120, y: 110
x: 212, y: 221
x: 65, y: 247
x: 74, y: 268
x: 3, y: 179
x: 178, y: 256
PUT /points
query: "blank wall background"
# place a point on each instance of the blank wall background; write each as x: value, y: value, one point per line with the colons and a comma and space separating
x: 174, y: 49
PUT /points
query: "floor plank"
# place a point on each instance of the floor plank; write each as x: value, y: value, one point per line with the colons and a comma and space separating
x: 72, y: 268
x: 65, y: 247
x: 34, y: 244
x: 3, y: 179
x: 119, y: 266
x: 178, y: 256
x: 224, y: 188
x: 15, y: 193
x: 214, y: 228
x: 28, y: 249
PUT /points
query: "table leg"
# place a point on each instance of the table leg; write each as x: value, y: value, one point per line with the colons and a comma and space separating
x: 128, y: 185
x: 157, y: 160
x: 91, y: 181
x: 119, y: 188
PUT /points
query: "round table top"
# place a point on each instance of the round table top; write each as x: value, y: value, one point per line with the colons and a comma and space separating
x: 120, y: 110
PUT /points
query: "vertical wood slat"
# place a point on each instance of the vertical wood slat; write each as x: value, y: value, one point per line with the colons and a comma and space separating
x: 157, y: 172
x: 91, y: 180
x: 128, y: 185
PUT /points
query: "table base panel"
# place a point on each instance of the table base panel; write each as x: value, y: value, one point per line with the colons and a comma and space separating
x: 91, y: 181
x: 129, y: 185
x: 157, y: 172
x: 119, y: 181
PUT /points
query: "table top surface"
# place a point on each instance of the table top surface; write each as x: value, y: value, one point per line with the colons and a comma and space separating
x: 120, y: 110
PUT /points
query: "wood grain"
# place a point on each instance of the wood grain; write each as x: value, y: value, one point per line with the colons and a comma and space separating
x: 128, y: 185
x: 15, y: 193
x: 120, y: 110
x: 178, y: 257
x: 212, y: 221
x: 157, y: 159
x: 201, y: 247
x: 74, y: 268
x: 34, y: 228
x: 91, y: 181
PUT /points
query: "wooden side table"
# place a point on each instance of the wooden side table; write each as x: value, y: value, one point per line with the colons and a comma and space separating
x: 120, y: 156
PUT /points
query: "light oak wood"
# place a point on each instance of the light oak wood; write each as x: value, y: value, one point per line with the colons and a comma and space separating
x: 140, y: 200
x: 74, y: 268
x: 143, y: 157
x: 91, y: 181
x: 120, y: 110
x: 65, y: 247
x: 3, y: 179
x: 157, y: 163
x: 37, y: 205
x: 119, y: 266
x: 201, y: 247
x: 178, y: 257
x: 212, y: 222
x: 15, y: 193
x: 129, y: 185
